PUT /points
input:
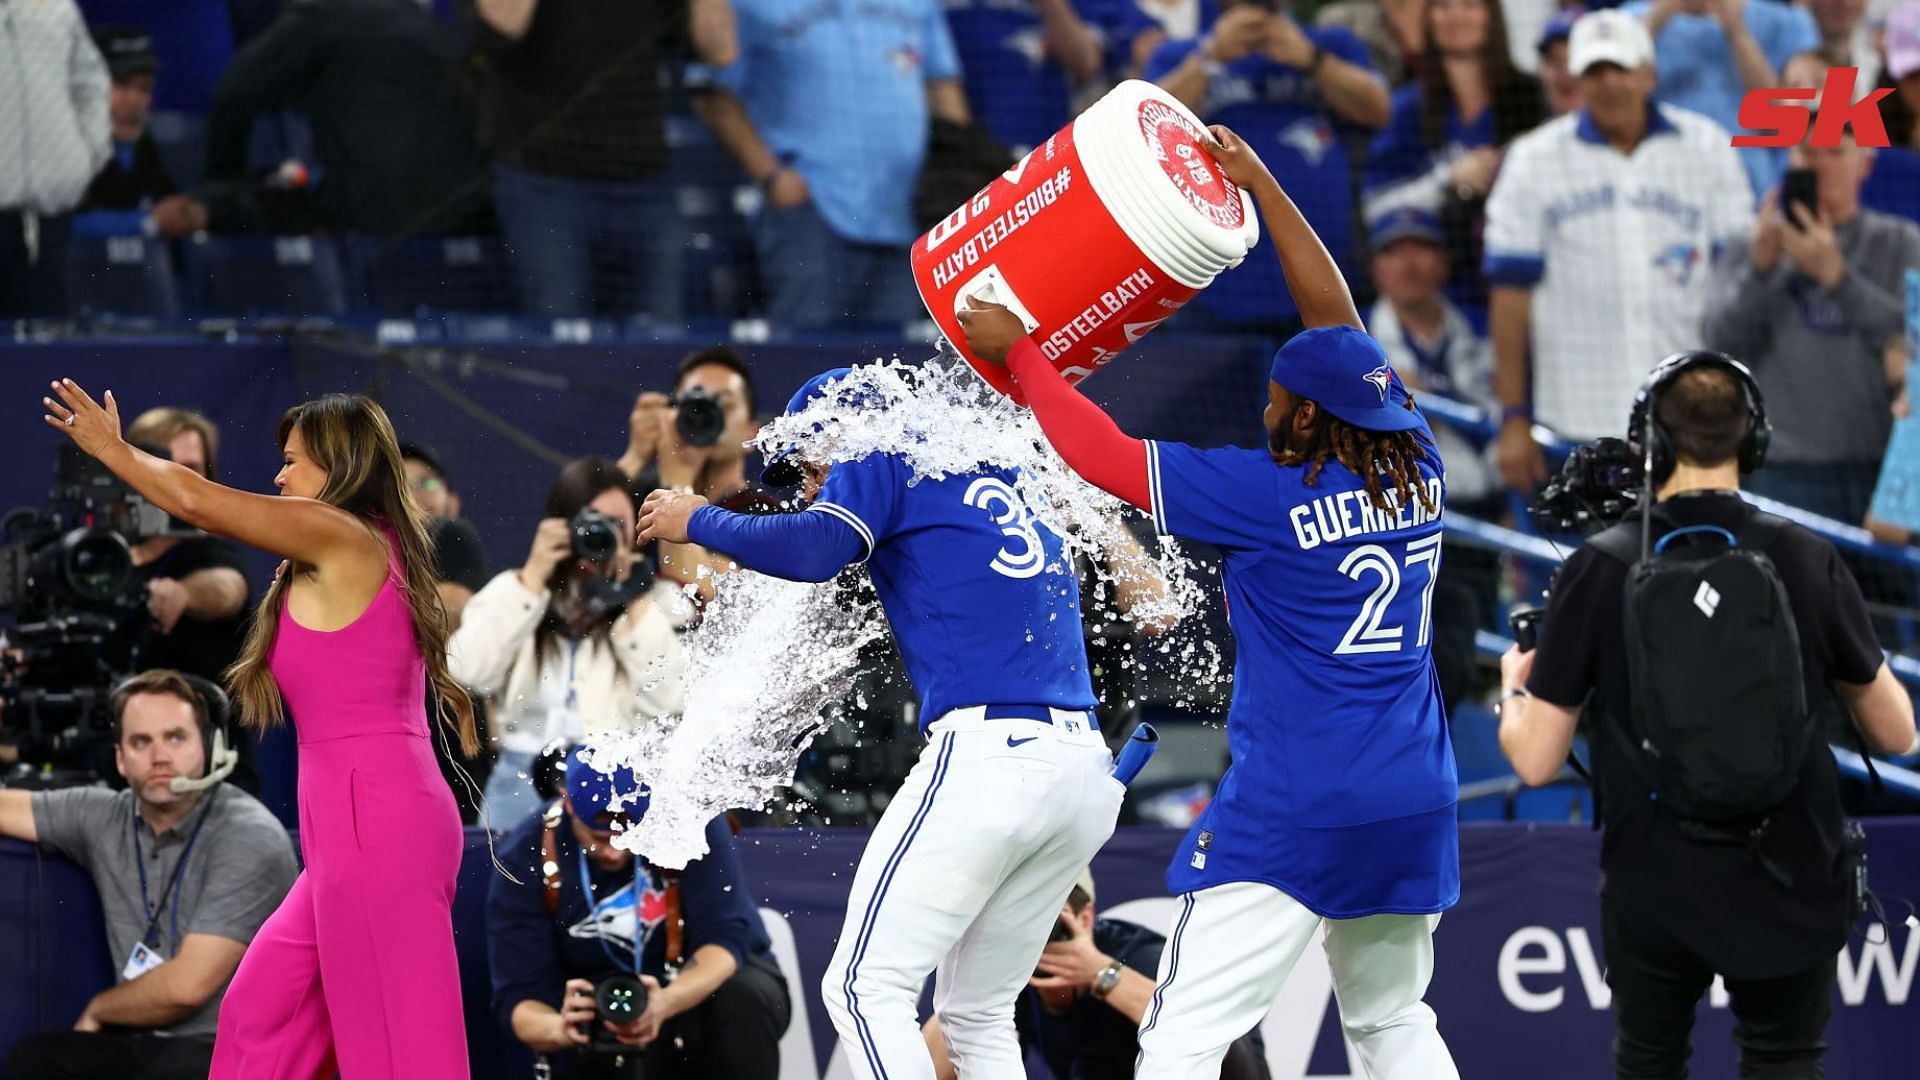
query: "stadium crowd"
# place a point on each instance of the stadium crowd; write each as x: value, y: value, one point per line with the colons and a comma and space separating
x: 402, y: 158
x: 754, y: 159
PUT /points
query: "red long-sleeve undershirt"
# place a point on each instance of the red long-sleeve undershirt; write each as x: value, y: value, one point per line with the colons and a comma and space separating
x: 1085, y: 437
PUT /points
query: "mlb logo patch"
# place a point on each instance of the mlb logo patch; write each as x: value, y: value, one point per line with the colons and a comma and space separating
x: 1199, y: 860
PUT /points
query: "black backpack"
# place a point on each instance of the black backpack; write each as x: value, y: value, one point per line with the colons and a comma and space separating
x: 1720, y: 723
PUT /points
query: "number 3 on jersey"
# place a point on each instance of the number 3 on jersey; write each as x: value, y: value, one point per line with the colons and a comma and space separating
x: 1004, y: 507
x: 1367, y: 635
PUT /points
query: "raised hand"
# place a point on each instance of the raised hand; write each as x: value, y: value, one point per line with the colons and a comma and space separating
x: 1236, y: 159
x: 92, y: 427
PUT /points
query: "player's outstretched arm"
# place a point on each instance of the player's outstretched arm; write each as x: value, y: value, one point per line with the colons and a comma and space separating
x: 1319, y: 290
x: 797, y: 547
x: 1085, y: 437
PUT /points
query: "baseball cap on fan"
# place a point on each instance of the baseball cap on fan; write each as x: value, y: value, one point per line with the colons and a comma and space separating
x: 1404, y: 223
x: 1559, y: 28
x: 1608, y: 36
x: 1903, y: 40
x: 1344, y: 369
x: 127, y: 51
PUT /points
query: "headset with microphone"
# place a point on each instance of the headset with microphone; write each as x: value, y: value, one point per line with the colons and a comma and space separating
x: 210, y: 709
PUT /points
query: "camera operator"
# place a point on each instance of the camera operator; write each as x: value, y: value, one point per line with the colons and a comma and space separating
x: 694, y: 441
x: 715, y: 1003
x: 186, y: 878
x: 196, y: 586
x: 579, y: 639
x: 1083, y: 1006
x: 1760, y: 896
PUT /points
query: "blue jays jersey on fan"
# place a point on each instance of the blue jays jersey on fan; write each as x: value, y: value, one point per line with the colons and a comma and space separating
x: 984, y: 605
x: 1283, y: 116
x: 1341, y: 790
x: 1015, y: 85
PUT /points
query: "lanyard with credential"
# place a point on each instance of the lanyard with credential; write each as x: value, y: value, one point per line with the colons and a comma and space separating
x: 632, y: 967
x: 172, y: 891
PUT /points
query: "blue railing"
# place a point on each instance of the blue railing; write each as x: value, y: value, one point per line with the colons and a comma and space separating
x: 1475, y: 423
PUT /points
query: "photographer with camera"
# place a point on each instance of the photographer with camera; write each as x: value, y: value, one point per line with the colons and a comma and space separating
x: 1083, y: 1006
x: 578, y: 640
x: 609, y: 967
x: 695, y: 441
x: 1705, y: 639
x: 187, y: 867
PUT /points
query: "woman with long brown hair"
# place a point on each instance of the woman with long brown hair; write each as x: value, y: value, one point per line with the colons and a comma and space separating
x: 356, y: 969
x: 1441, y: 149
x: 563, y: 648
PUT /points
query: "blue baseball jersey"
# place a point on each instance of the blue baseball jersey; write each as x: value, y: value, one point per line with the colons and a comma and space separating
x: 983, y: 602
x: 1014, y: 84
x: 1341, y: 790
x: 1282, y: 115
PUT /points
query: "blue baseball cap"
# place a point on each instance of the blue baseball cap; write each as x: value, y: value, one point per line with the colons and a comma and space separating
x: 1404, y: 223
x: 1346, y: 372
x: 782, y: 470
x: 591, y: 792
x: 1558, y: 28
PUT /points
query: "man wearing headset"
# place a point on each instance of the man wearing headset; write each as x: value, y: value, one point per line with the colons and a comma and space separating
x: 187, y: 871
x: 1765, y: 906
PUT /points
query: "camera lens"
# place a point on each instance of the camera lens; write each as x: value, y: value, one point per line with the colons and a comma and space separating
x: 94, y: 565
x: 699, y: 417
x: 595, y: 537
x: 620, y: 999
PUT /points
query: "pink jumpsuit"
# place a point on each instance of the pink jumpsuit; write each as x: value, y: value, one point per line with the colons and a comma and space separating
x: 356, y: 971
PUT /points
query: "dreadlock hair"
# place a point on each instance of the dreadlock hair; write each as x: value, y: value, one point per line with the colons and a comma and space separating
x: 1378, y: 458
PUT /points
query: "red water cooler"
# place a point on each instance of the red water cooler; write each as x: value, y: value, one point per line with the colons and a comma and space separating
x: 1094, y: 238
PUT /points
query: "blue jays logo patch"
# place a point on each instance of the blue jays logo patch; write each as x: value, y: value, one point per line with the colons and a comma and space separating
x: 1311, y: 139
x: 1381, y: 378
x: 627, y: 918
x: 1679, y: 262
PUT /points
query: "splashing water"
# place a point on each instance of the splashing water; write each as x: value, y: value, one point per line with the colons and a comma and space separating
x: 770, y: 655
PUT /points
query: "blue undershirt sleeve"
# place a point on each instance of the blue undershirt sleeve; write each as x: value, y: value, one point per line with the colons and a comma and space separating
x: 808, y: 546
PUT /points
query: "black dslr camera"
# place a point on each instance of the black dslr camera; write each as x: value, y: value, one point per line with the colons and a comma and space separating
x: 698, y: 416
x: 620, y: 999
x: 617, y: 999
x: 596, y: 538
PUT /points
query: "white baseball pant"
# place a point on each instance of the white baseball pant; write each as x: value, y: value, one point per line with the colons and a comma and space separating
x: 1232, y: 947
x: 966, y: 873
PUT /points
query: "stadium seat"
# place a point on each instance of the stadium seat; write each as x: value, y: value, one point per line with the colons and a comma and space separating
x: 429, y: 273
x: 719, y: 279
x: 181, y: 139
x: 256, y: 275
x: 121, y: 275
